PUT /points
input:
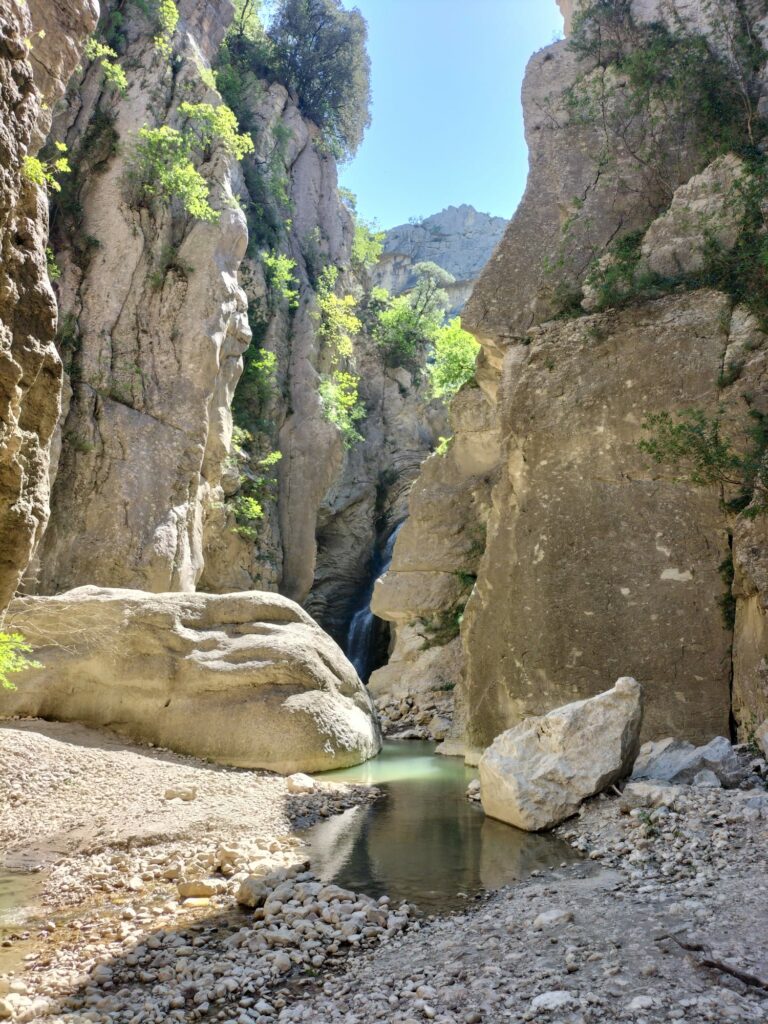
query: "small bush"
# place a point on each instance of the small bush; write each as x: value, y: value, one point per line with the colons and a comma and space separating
x: 13, y: 651
x: 45, y: 172
x: 694, y: 444
x: 114, y: 74
x: 281, y: 279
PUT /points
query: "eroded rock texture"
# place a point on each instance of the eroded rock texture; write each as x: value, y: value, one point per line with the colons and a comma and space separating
x: 152, y: 328
x: 243, y: 679
x: 40, y: 44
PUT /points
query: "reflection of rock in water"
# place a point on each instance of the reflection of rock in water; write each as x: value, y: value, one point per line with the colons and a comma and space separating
x: 424, y: 841
x: 507, y: 854
x: 333, y: 844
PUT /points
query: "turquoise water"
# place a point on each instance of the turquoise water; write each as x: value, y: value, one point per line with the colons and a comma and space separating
x: 424, y: 841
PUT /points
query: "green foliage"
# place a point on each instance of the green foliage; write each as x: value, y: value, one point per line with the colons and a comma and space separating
x: 168, y: 262
x: 216, y: 125
x: 442, y: 627
x: 44, y: 172
x: 367, y: 246
x: 341, y: 404
x: 167, y: 14
x: 338, y: 321
x: 281, y: 279
x: 13, y: 651
x: 694, y: 444
x: 320, y: 52
x: 256, y: 386
x: 443, y: 445
x: 257, y: 486
x: 161, y: 164
x: 245, y: 58
x: 54, y: 271
x: 673, y: 81
x: 728, y: 601
x: 406, y: 325
x: 114, y: 74
x: 742, y: 271
x: 454, y: 359
x: 161, y: 168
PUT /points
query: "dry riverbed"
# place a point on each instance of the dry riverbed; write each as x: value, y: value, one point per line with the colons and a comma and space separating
x: 665, y: 919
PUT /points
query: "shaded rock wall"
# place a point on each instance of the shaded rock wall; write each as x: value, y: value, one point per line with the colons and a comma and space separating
x: 40, y: 44
x: 153, y: 329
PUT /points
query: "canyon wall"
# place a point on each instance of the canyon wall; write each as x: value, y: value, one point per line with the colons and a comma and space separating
x: 152, y: 325
x: 597, y: 561
x: 40, y: 45
x: 158, y: 312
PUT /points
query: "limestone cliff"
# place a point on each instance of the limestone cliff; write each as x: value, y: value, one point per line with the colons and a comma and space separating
x: 599, y: 562
x: 152, y: 324
x: 459, y: 239
x: 330, y: 503
x: 40, y: 44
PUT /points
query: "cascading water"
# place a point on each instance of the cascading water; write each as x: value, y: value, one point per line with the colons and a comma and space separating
x: 360, y: 633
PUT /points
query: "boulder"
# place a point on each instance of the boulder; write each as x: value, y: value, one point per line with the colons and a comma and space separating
x: 535, y: 775
x: 678, y: 762
x: 243, y: 679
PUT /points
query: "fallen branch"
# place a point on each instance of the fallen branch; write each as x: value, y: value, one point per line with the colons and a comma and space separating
x: 719, y: 965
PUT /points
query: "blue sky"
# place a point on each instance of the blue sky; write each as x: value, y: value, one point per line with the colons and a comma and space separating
x: 447, y: 126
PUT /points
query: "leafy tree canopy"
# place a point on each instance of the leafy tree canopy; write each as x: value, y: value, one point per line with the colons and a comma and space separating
x: 320, y: 53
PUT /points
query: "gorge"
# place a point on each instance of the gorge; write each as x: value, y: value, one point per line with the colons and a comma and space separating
x: 278, y: 487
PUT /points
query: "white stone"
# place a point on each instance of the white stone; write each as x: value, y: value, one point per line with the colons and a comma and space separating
x: 555, y: 1000
x: 552, y: 918
x: 300, y: 783
x: 537, y: 773
x: 671, y: 760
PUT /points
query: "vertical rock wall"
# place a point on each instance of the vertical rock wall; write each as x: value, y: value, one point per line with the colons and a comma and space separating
x: 152, y: 328
x: 596, y: 563
x: 40, y: 44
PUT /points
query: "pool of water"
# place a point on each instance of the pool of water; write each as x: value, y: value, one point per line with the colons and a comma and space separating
x: 424, y: 841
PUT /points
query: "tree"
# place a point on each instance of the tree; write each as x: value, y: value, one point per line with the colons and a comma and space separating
x: 320, y: 51
x: 454, y: 363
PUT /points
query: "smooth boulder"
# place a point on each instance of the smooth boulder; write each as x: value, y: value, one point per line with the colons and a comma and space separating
x: 536, y: 774
x: 245, y: 679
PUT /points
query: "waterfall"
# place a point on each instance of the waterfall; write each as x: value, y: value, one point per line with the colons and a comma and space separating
x: 360, y: 632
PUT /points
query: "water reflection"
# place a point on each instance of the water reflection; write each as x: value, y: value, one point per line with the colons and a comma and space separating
x: 424, y: 841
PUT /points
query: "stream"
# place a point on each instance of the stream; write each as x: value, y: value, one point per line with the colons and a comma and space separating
x: 424, y: 841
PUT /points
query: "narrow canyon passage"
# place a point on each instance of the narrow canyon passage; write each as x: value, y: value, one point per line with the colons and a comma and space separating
x: 383, y: 511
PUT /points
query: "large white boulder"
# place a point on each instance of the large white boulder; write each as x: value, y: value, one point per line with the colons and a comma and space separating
x: 245, y: 679
x: 535, y: 775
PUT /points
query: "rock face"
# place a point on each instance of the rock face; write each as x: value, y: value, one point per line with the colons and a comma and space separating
x: 535, y: 775
x: 243, y: 679
x: 592, y: 551
x: 591, y: 563
x: 40, y: 44
x: 153, y: 328
x: 458, y: 239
